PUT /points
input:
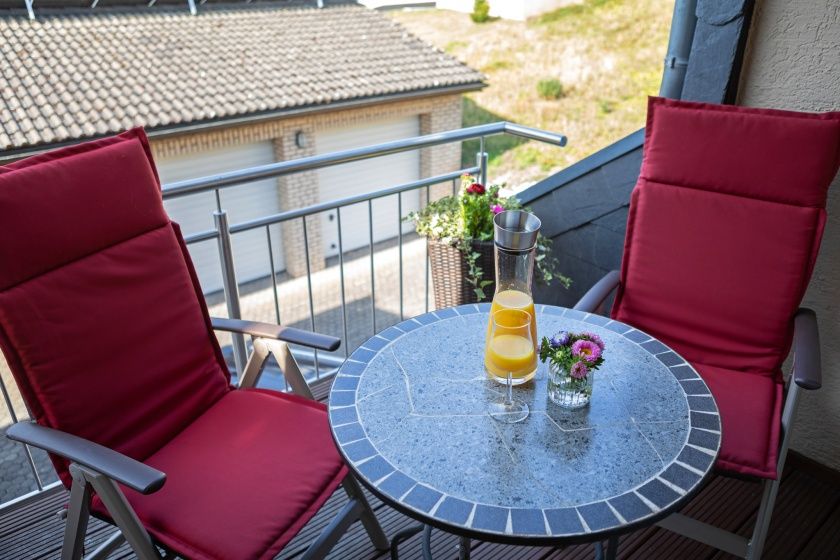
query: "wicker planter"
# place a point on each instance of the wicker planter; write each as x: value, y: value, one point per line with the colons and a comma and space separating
x: 449, y: 273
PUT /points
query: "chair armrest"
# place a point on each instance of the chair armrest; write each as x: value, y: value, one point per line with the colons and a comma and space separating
x: 112, y: 464
x: 596, y: 295
x: 807, y: 368
x: 286, y: 334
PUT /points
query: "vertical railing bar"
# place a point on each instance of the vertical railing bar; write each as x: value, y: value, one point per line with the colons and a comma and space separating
x: 454, y: 188
x: 274, y: 286
x: 311, y: 302
x: 31, y: 460
x: 341, y: 276
x: 482, y: 161
x: 273, y: 274
x: 218, y: 200
x: 8, y: 400
x: 372, y: 279
x: 231, y: 286
x: 428, y: 189
x: 400, y: 235
x: 26, y: 448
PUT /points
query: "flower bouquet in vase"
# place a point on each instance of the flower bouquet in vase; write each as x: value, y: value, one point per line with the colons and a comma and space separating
x: 572, y: 359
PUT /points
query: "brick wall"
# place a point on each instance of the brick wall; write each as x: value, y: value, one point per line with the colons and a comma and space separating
x: 436, y: 114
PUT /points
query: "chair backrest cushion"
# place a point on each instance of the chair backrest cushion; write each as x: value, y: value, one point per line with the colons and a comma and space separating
x: 724, y: 227
x: 102, y: 319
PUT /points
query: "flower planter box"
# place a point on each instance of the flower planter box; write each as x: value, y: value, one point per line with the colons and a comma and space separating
x: 449, y: 272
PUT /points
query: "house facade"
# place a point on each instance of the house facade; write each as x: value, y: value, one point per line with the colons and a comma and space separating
x: 234, y: 86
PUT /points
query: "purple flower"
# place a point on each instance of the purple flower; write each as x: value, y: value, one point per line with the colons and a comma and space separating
x: 559, y: 339
x: 596, y: 339
x: 579, y: 370
x: 586, y: 350
x: 497, y: 208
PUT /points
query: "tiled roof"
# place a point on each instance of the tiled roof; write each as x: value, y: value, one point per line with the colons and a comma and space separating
x: 73, y: 74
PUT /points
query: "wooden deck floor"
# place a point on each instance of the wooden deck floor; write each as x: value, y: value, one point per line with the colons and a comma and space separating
x: 806, y: 525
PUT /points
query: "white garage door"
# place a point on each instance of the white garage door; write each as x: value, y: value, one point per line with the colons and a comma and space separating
x: 366, y: 176
x: 243, y: 202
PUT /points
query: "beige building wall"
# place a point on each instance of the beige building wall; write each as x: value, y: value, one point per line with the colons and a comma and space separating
x: 793, y: 62
x: 436, y: 114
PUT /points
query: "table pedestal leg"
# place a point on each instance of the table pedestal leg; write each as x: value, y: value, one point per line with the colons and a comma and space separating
x: 427, y: 542
x: 464, y: 548
x: 401, y: 536
x: 611, y: 552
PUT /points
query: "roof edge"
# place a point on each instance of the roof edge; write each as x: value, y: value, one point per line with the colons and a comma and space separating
x: 227, y: 122
x: 580, y: 168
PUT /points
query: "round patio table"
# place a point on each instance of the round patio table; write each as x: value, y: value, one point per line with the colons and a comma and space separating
x: 408, y: 413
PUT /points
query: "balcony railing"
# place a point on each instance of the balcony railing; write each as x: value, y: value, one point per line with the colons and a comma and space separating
x: 319, y: 366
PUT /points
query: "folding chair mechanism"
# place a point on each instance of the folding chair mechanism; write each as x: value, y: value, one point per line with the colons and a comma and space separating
x: 273, y: 340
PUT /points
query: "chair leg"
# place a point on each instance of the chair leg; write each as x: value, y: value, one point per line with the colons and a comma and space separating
x: 367, y: 516
x: 78, y: 514
x: 771, y: 487
x: 333, y: 532
x: 762, y: 520
x: 121, y: 512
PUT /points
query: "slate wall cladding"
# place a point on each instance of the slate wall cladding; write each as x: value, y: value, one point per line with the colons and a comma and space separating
x: 720, y: 37
x: 587, y: 218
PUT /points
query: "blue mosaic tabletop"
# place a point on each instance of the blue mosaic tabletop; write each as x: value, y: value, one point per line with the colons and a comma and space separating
x: 408, y: 413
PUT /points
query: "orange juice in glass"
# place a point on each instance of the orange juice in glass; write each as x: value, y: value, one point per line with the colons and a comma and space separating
x: 510, y: 347
x: 514, y: 299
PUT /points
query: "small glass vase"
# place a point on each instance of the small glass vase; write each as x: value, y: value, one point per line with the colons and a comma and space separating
x: 566, y: 391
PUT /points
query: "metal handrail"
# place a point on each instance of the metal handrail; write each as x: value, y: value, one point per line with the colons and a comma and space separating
x: 348, y: 200
x: 231, y: 178
x: 287, y: 215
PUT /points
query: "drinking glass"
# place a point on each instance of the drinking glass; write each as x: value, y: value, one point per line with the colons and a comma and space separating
x: 510, y: 356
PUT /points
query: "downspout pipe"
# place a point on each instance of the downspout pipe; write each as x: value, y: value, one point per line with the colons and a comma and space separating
x: 683, y: 24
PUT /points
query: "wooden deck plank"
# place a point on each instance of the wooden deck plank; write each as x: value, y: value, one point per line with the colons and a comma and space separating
x: 803, y: 505
x: 31, y: 512
x: 825, y: 541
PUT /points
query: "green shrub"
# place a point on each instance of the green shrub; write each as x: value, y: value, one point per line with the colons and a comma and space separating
x: 481, y: 11
x: 550, y: 88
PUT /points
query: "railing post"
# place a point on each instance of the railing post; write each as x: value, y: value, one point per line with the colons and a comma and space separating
x: 231, y: 287
x: 481, y: 163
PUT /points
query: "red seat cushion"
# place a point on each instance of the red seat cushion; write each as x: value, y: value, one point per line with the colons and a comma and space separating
x: 723, y: 231
x: 750, y: 407
x: 101, y: 318
x: 243, y: 478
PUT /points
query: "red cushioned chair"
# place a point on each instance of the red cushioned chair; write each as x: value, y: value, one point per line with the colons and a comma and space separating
x: 724, y: 227
x: 106, y: 331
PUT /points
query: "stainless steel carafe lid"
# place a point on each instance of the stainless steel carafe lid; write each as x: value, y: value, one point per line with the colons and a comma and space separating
x: 516, y: 230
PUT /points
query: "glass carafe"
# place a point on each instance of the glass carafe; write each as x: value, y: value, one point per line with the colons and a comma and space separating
x: 515, y: 241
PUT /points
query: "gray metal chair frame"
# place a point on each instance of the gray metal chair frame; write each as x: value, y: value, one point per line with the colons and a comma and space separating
x: 806, y: 374
x: 95, y: 468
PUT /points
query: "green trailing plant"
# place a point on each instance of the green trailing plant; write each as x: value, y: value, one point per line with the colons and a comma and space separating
x: 468, y: 216
x: 481, y: 11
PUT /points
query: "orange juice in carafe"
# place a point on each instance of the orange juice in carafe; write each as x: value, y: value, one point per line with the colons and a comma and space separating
x: 515, y: 241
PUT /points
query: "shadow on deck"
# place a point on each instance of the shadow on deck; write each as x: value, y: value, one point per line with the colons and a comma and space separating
x: 806, y: 525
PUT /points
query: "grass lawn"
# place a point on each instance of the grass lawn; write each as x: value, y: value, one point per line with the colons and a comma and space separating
x: 594, y: 62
